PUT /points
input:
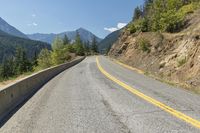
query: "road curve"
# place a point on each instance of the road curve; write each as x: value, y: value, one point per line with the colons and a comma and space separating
x: 82, y: 99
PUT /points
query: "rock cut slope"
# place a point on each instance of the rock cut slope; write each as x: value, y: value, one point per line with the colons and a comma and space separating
x: 174, y: 58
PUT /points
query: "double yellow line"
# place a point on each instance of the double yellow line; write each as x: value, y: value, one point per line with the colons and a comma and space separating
x: 164, y: 107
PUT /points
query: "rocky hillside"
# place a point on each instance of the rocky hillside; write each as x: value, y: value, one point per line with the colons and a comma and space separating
x: 171, y: 57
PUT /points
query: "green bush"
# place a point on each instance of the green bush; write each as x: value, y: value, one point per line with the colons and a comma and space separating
x: 44, y: 59
x: 187, y: 9
x: 182, y: 61
x: 144, y: 45
x: 163, y: 15
x: 142, y: 24
x: 132, y: 28
x: 171, y: 21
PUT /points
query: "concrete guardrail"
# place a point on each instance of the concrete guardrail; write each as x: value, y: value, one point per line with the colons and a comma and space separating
x: 17, y: 93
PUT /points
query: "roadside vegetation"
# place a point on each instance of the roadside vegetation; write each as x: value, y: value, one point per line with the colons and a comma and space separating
x: 62, y: 51
x: 144, y: 45
x: 164, y: 16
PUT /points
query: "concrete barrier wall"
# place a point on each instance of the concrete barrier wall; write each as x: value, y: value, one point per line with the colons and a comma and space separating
x: 17, y: 93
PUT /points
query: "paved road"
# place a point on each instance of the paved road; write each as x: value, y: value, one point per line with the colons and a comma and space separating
x: 83, y: 100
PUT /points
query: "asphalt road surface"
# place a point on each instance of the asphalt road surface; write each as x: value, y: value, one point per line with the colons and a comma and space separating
x: 83, y: 100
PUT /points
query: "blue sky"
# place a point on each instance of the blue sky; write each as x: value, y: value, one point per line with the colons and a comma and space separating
x: 54, y: 16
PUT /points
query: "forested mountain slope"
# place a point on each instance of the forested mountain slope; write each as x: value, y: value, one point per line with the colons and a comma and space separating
x: 105, y: 44
x: 5, y: 27
x: 9, y: 43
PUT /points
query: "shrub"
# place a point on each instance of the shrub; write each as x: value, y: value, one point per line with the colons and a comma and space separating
x: 182, y: 61
x: 171, y: 21
x: 187, y: 9
x: 132, y: 28
x: 144, y: 45
x: 44, y: 59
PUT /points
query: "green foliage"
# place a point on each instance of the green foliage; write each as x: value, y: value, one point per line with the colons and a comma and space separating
x: 141, y: 24
x: 60, y: 56
x: 190, y: 8
x: 57, y: 43
x: 12, y: 66
x: 104, y: 45
x: 108, y: 49
x: 182, y: 61
x: 94, y: 47
x: 21, y: 61
x: 171, y: 21
x: 70, y: 48
x: 66, y: 40
x: 87, y: 48
x: 44, y: 59
x: 165, y: 16
x: 137, y: 13
x: 144, y: 45
x: 8, y: 45
x: 78, y: 46
x: 7, y: 69
x: 132, y: 28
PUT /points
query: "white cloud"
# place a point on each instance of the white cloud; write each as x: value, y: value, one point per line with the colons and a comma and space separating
x: 112, y: 29
x: 33, y: 15
x: 33, y: 24
x: 121, y: 25
x: 118, y: 27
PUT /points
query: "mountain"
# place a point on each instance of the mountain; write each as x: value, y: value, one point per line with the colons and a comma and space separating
x: 84, y: 34
x: 9, y: 43
x: 108, y: 41
x: 5, y: 27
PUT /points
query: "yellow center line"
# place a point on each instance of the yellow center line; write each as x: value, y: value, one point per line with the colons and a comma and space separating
x: 129, y: 67
x: 164, y: 107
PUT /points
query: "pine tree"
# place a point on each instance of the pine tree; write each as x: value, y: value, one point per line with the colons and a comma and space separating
x: 22, y: 63
x: 78, y: 46
x: 94, y: 47
x: 44, y: 59
x: 137, y: 13
x: 34, y: 60
x: 57, y: 43
x: 7, y: 68
x: 66, y: 40
x: 87, y: 47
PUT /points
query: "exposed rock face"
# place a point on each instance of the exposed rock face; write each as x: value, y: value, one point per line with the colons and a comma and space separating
x: 173, y: 57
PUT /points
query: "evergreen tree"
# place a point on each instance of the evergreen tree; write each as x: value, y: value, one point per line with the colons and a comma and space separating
x: 44, y: 59
x: 7, y: 68
x: 66, y: 40
x: 87, y: 47
x: 94, y: 47
x: 137, y: 13
x: 22, y: 63
x: 108, y: 49
x: 57, y: 43
x: 78, y: 46
x: 60, y: 52
x: 34, y: 60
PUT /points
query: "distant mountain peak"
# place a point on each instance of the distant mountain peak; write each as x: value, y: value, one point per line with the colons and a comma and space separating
x: 84, y: 34
x: 81, y: 29
x: 7, y: 28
